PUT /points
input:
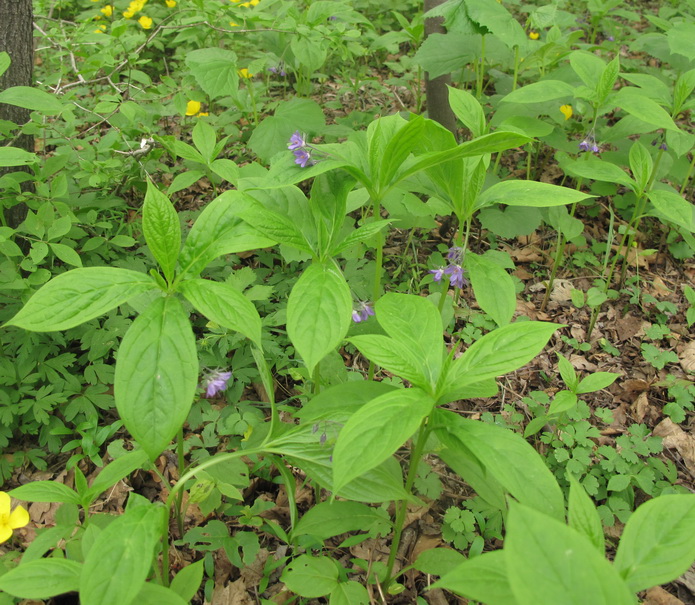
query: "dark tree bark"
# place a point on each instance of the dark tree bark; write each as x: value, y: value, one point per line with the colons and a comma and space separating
x: 436, y: 91
x: 16, y: 23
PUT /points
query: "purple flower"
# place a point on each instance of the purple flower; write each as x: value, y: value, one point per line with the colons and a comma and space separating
x: 297, y: 141
x: 455, y: 254
x: 215, y: 381
x: 278, y: 70
x: 437, y: 274
x: 302, y: 157
x: 610, y: 38
x: 663, y: 147
x: 455, y: 273
x: 589, y: 144
x: 363, y: 312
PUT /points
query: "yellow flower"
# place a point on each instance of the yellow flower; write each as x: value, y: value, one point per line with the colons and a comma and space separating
x: 566, y: 111
x: 192, y: 108
x: 145, y: 22
x: 107, y: 10
x: 10, y: 520
x: 100, y: 29
x: 244, y: 73
x: 232, y: 24
x: 202, y: 113
x: 170, y: 3
x: 534, y: 35
x: 128, y: 14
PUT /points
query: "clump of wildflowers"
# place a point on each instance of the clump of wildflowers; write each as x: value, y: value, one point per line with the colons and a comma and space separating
x: 304, y: 152
x: 454, y: 270
x: 215, y: 381
x: 134, y: 7
x: 589, y: 144
x: 10, y: 519
x: 145, y: 22
x: 363, y: 312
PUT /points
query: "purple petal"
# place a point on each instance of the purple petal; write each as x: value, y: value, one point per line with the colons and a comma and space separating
x: 296, y: 141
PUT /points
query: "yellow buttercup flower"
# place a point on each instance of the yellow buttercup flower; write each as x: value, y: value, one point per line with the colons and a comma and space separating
x: 202, y: 113
x: 145, y: 22
x: 566, y: 111
x: 100, y: 29
x: 534, y: 35
x: 10, y: 519
x: 170, y: 3
x: 107, y: 10
x: 232, y: 24
x: 244, y: 73
x: 192, y: 108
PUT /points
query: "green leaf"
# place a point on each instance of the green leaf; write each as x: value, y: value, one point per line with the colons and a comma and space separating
x: 328, y: 519
x: 66, y: 254
x: 587, y: 66
x: 154, y: 594
x: 14, y: 156
x: 657, y: 543
x: 156, y: 375
x: 187, y: 582
x: 398, y: 148
x: 562, y: 402
x: 503, y: 350
x: 32, y: 98
x: 360, y: 234
x: 529, y: 193
x: 311, y: 577
x: 438, y: 561
x: 493, y: 287
x: 394, y: 356
x: 634, y: 102
x: 42, y: 578
x: 318, y: 312
x: 45, y: 491
x: 160, y: 224
x: 549, y: 563
x: 567, y: 372
x: 4, y: 62
x: 226, y: 169
x: 115, y: 471
x: 605, y: 83
x: 215, y: 70
x: 350, y: 592
x: 482, y: 578
x: 376, y: 431
x: 224, y: 305
x: 204, y: 139
x: 583, y: 516
x: 79, y: 295
x: 641, y: 165
x: 468, y: 110
x: 508, y: 459
x: 184, y: 180
x: 598, y: 170
x: 119, y: 561
x: 596, y: 382
x: 674, y: 208
x: 338, y: 402
x: 540, y: 92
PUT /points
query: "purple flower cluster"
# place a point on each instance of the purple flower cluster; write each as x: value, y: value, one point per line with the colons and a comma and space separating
x: 589, y: 144
x: 215, y: 381
x: 301, y: 149
x: 279, y: 70
x: 663, y: 146
x: 454, y: 270
x: 363, y: 312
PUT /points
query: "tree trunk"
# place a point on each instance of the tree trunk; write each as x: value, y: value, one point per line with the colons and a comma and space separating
x: 16, y: 23
x: 436, y: 91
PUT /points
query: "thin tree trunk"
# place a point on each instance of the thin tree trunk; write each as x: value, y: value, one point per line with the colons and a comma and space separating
x: 436, y: 91
x: 16, y: 23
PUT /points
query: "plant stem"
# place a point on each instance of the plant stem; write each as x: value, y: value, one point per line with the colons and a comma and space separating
x: 687, y: 176
x: 182, y: 465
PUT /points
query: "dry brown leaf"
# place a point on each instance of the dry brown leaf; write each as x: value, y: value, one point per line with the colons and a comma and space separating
x: 687, y: 357
x: 234, y: 593
x: 561, y: 291
x: 676, y: 438
x: 658, y: 596
x: 640, y: 407
x: 581, y: 363
x: 424, y: 543
x: 688, y: 579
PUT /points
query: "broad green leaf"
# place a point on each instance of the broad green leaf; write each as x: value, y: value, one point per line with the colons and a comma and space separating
x: 4, y: 62
x: 482, y: 578
x: 680, y: 39
x: 607, y: 80
x: 227, y: 169
x: 350, y: 592
x: 468, y: 110
x: 549, y: 563
x: 531, y: 127
x: 674, y: 208
x: 66, y: 254
x: 45, y: 491
x: 328, y: 519
x: 32, y: 98
x: 441, y: 54
x: 398, y: 148
x: 360, y: 234
x: 155, y: 594
x: 184, y: 180
x: 156, y: 374
x: 567, y: 372
x: 562, y: 402
x: 529, y: 193
x: 187, y: 582
x: 438, y: 561
x: 224, y: 305
x: 79, y: 295
x: 634, y: 102
x: 310, y: 576
x: 215, y: 70
x: 318, y: 312
x: 510, y: 460
x: 503, y: 350
x: 641, y: 165
x: 599, y: 170
x: 204, y: 139
x: 376, y: 431
x: 219, y: 231
x: 657, y: 543
x: 416, y: 323
x: 14, y: 156
x: 113, y: 472
x: 394, y: 356
x: 160, y: 224
x: 338, y: 402
x: 587, y: 66
x: 596, y: 382
x: 42, y: 578
x: 119, y: 561
x: 493, y: 287
x: 583, y: 516
x: 510, y: 221
x: 540, y: 92
x: 682, y: 90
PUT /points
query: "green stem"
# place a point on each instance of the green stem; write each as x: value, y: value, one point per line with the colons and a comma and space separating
x: 182, y: 465
x: 516, y: 68
x: 415, y: 455
x: 687, y: 176
x: 481, y: 70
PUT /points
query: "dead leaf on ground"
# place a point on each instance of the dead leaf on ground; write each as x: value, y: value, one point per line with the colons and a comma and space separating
x: 687, y: 357
x: 628, y: 327
x: 640, y: 407
x: 658, y: 596
x: 234, y: 593
x: 582, y: 363
x: 561, y: 291
x: 676, y: 438
x: 688, y: 579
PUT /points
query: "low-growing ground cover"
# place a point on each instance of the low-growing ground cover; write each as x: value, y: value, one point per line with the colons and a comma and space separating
x: 270, y: 335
